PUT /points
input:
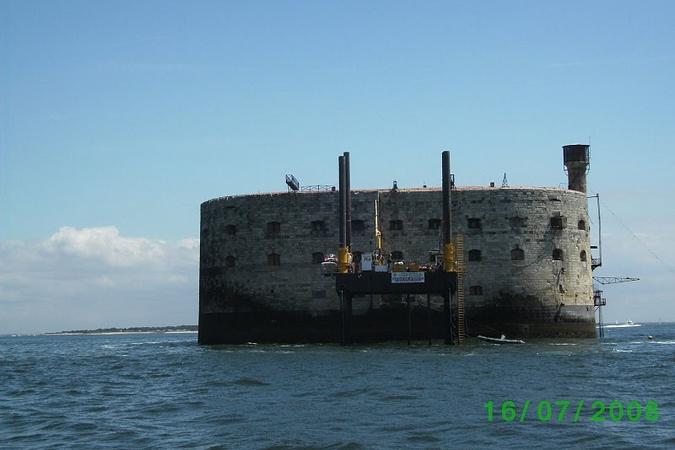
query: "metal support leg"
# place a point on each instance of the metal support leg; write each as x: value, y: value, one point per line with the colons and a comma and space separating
x: 429, y: 318
x: 451, y: 318
x: 342, y: 317
x: 348, y: 319
x: 447, y: 317
x: 407, y: 301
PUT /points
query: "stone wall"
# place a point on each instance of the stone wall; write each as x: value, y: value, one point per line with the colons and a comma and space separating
x: 249, y: 263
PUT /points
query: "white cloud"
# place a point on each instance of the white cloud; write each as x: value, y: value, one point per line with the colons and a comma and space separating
x: 105, y: 244
x: 94, y: 277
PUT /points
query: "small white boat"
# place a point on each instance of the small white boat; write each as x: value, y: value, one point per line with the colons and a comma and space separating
x: 627, y: 324
x: 501, y: 340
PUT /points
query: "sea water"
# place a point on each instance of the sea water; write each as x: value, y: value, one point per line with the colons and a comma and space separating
x: 165, y: 391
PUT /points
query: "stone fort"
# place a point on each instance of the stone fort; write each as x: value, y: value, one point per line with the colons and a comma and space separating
x: 527, y: 260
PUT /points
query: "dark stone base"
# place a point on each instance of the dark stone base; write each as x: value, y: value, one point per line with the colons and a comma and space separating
x: 533, y: 321
x: 534, y: 330
x: 390, y: 324
x: 298, y: 327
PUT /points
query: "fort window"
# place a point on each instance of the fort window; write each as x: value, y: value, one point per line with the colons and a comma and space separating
x: 274, y: 259
x: 230, y: 261
x: 581, y: 225
x: 318, y: 226
x: 317, y: 258
x: 557, y: 254
x: 582, y: 255
x: 434, y: 224
x: 473, y: 223
x: 517, y: 254
x: 474, y: 255
x: 230, y: 229
x: 395, y: 225
x: 557, y: 222
x: 273, y: 227
x: 397, y: 255
x: 518, y: 222
x: 475, y: 290
x: 358, y: 226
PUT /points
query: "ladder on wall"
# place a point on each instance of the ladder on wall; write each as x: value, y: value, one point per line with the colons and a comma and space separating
x: 461, y: 329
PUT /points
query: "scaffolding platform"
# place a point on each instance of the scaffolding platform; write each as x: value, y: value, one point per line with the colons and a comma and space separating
x: 350, y: 285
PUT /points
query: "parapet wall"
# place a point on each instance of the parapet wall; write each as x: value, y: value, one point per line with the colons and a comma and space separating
x: 524, y: 250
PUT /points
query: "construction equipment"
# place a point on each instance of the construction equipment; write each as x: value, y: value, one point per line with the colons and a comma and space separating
x: 599, y: 300
x: 614, y: 280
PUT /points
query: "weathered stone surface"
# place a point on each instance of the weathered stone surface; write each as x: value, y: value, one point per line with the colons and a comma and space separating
x: 241, y: 236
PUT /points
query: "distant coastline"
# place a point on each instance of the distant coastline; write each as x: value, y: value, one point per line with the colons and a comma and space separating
x: 130, y: 330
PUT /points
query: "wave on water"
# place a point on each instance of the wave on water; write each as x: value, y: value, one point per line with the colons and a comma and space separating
x: 166, y: 391
x: 249, y: 382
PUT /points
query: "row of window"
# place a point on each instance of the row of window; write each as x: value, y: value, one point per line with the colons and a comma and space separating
x: 559, y: 222
x: 273, y: 259
x: 556, y: 223
x: 478, y: 290
x: 517, y: 254
x: 358, y: 225
x: 317, y: 226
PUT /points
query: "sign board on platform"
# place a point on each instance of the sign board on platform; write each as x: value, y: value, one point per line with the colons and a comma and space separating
x: 407, y: 277
x: 366, y: 262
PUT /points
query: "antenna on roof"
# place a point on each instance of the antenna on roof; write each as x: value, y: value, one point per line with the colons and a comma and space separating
x: 292, y: 182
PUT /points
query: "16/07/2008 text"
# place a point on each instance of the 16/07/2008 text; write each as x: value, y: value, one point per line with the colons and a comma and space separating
x: 565, y: 410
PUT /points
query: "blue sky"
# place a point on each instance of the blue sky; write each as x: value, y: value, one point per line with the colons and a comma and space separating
x: 130, y: 114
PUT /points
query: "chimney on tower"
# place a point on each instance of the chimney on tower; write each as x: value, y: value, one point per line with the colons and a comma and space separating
x: 577, y: 162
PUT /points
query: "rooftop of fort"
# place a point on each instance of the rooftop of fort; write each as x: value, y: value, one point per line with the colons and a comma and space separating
x: 406, y: 190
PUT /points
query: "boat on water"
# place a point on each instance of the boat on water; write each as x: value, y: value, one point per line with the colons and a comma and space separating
x: 500, y: 340
x: 627, y: 324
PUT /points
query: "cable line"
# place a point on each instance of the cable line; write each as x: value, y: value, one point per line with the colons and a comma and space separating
x: 627, y: 228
